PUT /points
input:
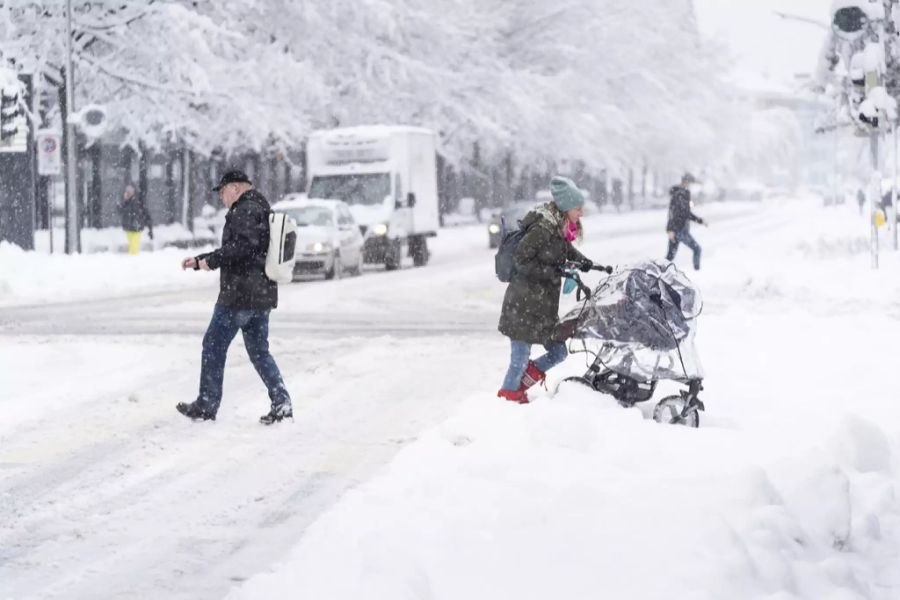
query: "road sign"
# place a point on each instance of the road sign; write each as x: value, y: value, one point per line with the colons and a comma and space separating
x: 49, y: 152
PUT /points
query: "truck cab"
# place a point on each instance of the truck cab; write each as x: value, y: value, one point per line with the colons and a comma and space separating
x: 387, y: 175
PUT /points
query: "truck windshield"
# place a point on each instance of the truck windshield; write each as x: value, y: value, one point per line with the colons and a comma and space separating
x: 369, y: 188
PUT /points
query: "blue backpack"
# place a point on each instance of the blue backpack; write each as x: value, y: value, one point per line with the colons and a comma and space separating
x: 505, y: 259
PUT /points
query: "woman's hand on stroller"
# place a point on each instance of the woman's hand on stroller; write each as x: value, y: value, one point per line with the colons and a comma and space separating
x: 588, y: 265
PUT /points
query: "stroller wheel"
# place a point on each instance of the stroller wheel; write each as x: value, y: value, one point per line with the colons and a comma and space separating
x: 674, y: 410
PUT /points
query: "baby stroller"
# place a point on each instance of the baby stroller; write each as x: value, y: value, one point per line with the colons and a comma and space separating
x: 638, y: 324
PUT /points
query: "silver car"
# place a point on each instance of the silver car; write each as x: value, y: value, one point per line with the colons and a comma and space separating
x: 329, y: 241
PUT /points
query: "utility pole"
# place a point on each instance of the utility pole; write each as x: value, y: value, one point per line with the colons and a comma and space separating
x: 862, y: 41
x: 874, y: 197
x: 835, y: 187
x: 73, y: 231
x: 893, y: 216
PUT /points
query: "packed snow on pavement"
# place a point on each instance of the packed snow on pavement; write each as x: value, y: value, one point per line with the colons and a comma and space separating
x: 405, y: 477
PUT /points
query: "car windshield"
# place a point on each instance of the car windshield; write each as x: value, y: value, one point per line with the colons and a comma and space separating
x: 312, y: 215
x: 368, y: 189
x: 513, y: 214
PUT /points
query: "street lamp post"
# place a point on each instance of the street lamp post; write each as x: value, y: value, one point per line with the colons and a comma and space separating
x: 73, y: 237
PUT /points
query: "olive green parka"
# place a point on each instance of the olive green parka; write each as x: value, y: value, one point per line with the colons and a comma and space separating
x: 531, y: 304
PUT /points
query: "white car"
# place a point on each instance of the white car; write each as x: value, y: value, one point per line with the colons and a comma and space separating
x: 328, y: 239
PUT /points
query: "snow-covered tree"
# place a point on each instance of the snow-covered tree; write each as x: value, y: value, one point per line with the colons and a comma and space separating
x: 594, y: 81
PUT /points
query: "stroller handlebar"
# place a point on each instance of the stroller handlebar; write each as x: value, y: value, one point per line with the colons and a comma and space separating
x: 580, y: 265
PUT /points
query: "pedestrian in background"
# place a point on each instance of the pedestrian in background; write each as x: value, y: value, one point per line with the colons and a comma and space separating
x: 678, y: 226
x: 135, y: 217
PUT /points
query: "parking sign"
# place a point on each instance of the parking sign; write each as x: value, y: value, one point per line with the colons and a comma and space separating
x: 49, y: 147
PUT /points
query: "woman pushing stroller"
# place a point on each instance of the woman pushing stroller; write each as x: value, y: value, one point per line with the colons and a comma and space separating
x: 531, y: 305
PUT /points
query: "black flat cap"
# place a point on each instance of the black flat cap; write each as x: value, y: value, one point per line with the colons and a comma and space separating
x: 233, y: 176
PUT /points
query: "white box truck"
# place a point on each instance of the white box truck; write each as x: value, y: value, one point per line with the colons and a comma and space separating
x: 388, y: 177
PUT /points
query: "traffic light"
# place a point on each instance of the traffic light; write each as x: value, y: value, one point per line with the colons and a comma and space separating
x: 9, y: 114
x: 850, y: 21
x: 91, y: 120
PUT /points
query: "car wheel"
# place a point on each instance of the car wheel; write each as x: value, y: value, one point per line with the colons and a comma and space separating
x: 337, y: 268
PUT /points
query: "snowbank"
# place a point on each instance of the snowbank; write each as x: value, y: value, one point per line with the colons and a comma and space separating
x: 788, y: 490
x: 509, y: 503
x: 112, y: 239
x: 35, y: 277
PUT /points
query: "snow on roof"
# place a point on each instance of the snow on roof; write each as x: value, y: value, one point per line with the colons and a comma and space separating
x: 371, y: 130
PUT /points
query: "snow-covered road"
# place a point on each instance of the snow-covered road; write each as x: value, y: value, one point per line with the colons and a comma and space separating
x: 104, y: 487
x: 105, y: 491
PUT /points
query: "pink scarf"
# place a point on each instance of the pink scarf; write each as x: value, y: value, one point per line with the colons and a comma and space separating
x: 570, y: 230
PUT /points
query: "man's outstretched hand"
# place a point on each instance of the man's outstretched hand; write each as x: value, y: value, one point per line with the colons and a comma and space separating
x: 197, y: 265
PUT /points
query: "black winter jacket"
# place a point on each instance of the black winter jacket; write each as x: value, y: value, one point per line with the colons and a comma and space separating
x: 245, y: 242
x: 531, y: 304
x: 134, y: 214
x: 680, y: 214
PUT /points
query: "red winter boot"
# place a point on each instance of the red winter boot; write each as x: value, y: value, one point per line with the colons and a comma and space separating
x: 531, y: 376
x: 514, y: 396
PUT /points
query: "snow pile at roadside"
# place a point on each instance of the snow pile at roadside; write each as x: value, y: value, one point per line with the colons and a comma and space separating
x: 34, y: 277
x: 207, y: 231
x: 578, y: 498
x: 789, y: 490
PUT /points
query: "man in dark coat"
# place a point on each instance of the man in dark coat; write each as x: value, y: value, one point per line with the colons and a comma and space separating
x: 246, y: 296
x: 531, y: 305
x: 678, y: 226
x: 135, y: 217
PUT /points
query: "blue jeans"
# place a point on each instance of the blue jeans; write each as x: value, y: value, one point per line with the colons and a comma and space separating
x: 225, y: 323
x: 518, y: 361
x: 684, y: 236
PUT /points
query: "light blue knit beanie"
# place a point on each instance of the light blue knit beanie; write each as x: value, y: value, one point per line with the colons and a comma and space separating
x: 566, y: 194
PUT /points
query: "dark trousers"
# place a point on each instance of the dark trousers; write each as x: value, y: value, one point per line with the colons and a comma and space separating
x: 225, y: 323
x: 684, y: 237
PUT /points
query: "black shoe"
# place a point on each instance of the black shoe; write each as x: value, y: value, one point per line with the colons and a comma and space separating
x: 192, y: 411
x: 278, y: 413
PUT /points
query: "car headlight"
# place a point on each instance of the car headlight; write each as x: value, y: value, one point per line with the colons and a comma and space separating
x: 493, y: 228
x: 380, y: 229
x: 319, y: 247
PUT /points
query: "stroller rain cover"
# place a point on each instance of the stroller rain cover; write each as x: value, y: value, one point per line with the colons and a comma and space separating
x: 644, y: 319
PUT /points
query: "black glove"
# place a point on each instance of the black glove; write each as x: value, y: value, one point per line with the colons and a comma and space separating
x: 608, y: 269
x: 586, y: 265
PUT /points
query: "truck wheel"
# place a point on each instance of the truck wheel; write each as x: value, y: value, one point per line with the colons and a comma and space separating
x: 418, y: 249
x: 393, y: 256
